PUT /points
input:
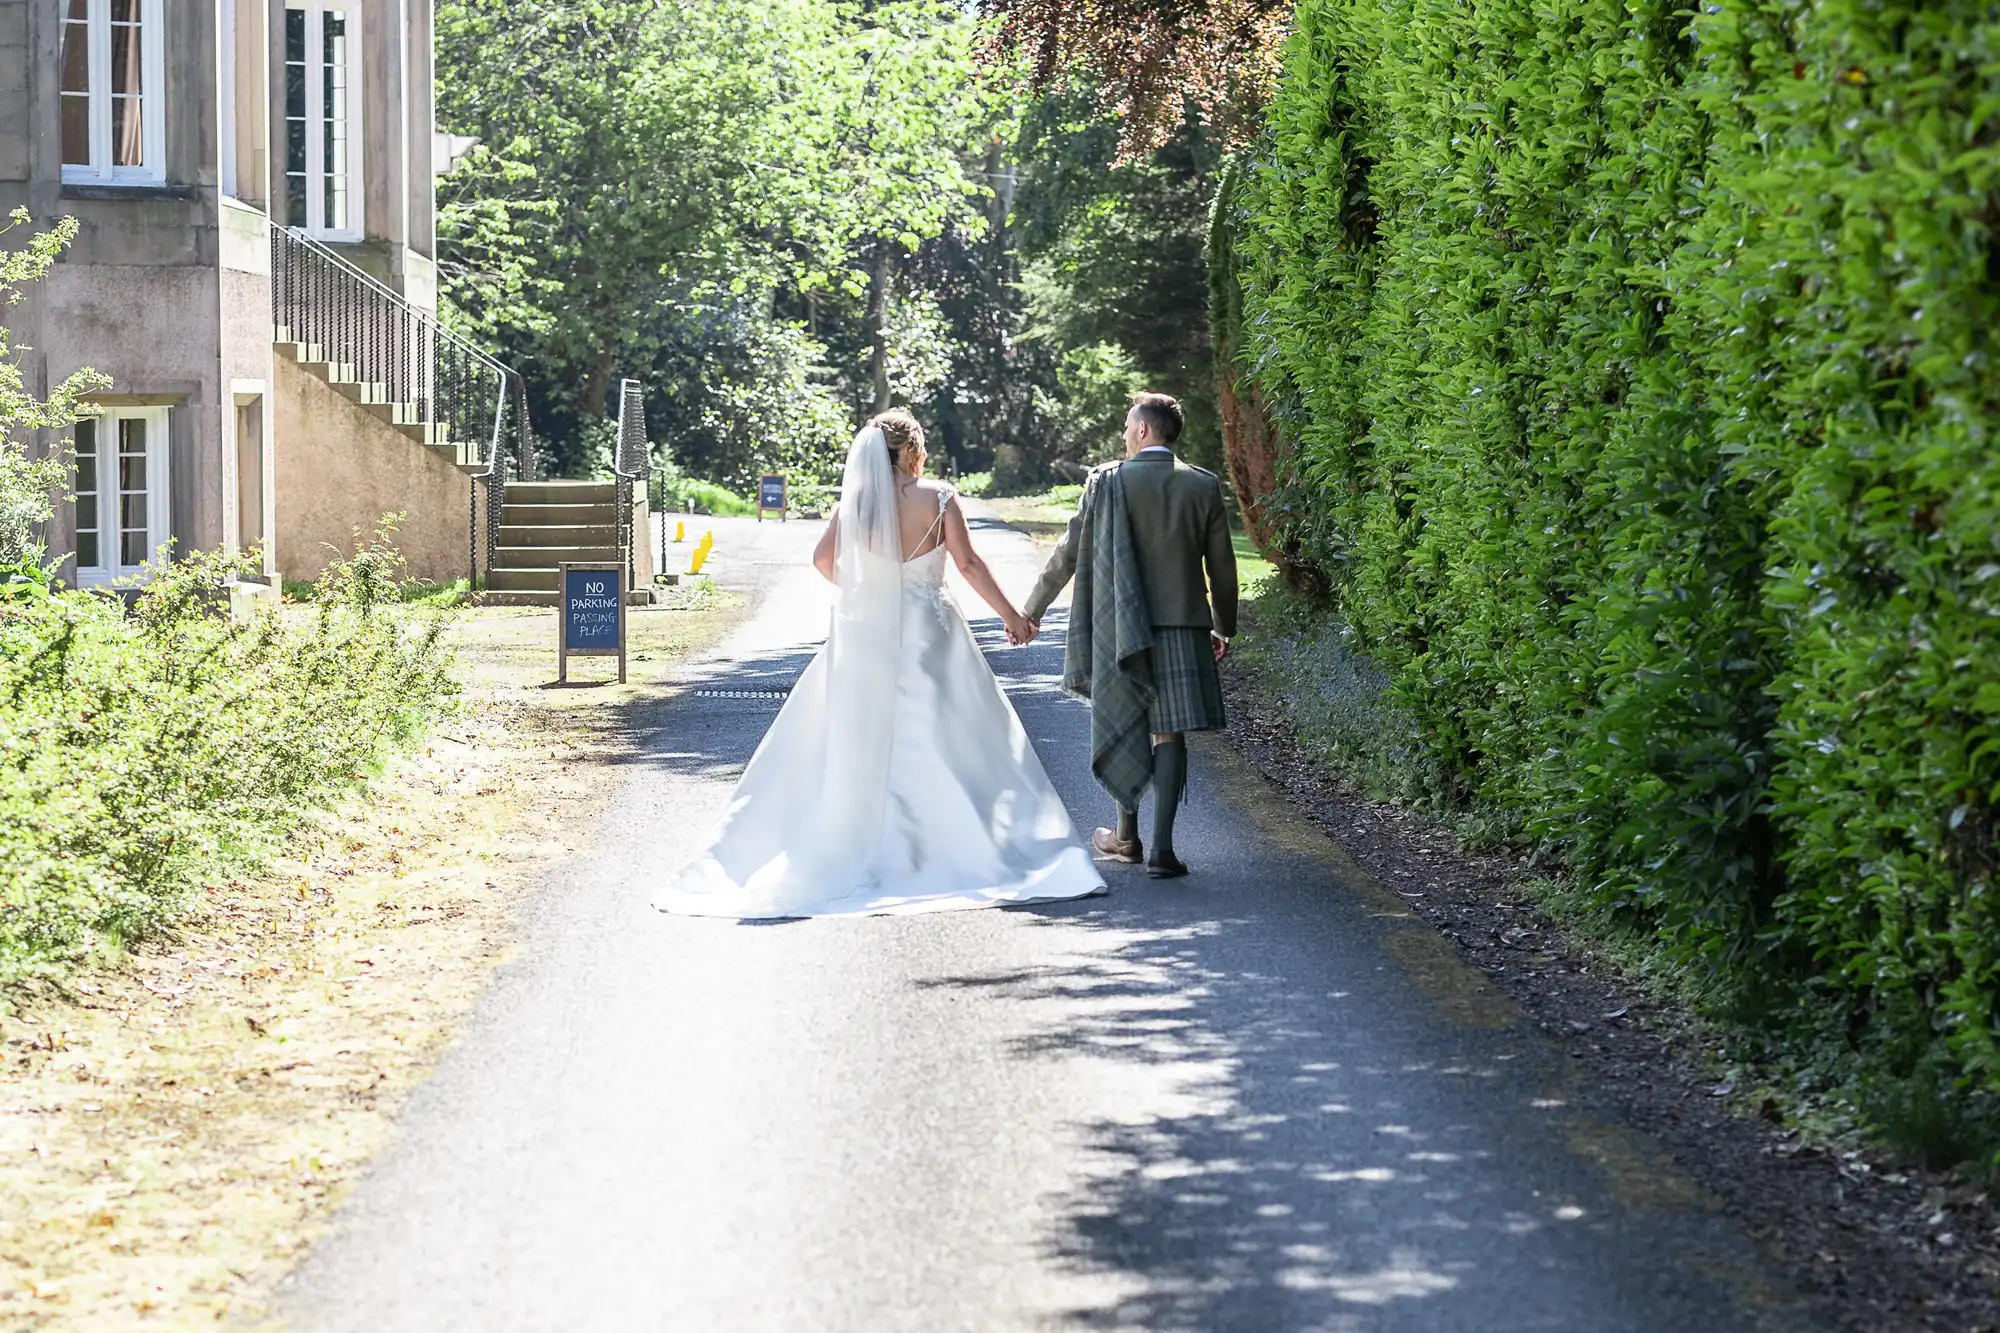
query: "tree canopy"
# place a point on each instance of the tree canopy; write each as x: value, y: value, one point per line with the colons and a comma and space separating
x: 781, y: 217
x: 1154, y: 63
x: 654, y: 171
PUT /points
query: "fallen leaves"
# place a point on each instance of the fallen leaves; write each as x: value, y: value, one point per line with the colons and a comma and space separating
x: 214, y: 1165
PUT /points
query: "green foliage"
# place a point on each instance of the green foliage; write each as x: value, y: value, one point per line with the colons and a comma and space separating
x: 28, y: 485
x: 1086, y: 414
x: 1637, y: 364
x: 709, y: 498
x: 26, y: 579
x: 736, y: 394
x: 919, y: 346
x: 664, y: 167
x: 1340, y: 702
x: 1932, y: 1122
x: 490, y: 283
x: 141, y: 753
x: 673, y: 491
x: 1113, y: 254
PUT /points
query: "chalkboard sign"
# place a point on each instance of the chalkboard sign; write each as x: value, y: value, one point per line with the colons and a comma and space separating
x: 592, y: 620
x: 770, y: 495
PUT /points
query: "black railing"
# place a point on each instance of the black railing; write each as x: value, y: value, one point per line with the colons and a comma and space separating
x: 516, y: 461
x: 400, y: 357
x: 633, y: 462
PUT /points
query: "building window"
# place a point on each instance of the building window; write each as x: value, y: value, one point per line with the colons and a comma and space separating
x: 323, y: 119
x: 121, y: 493
x: 111, y: 77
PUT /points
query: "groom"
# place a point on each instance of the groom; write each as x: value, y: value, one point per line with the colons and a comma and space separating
x: 1142, y: 643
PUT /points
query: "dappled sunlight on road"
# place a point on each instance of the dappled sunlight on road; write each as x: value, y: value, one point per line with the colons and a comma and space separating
x: 1242, y: 1170
x: 1255, y: 1142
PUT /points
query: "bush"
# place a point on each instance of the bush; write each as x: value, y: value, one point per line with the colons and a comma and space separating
x: 1086, y: 418
x: 141, y: 753
x: 1339, y: 701
x: 1637, y: 364
x: 29, y: 485
x: 673, y: 490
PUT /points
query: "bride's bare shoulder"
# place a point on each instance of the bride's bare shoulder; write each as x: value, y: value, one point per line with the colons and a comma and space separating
x: 937, y: 492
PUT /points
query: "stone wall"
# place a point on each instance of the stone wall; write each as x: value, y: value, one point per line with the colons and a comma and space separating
x: 339, y: 468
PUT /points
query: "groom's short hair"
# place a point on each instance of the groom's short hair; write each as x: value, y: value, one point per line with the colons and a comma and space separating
x: 1162, y: 413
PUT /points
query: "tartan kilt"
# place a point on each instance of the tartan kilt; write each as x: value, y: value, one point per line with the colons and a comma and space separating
x: 1187, y: 688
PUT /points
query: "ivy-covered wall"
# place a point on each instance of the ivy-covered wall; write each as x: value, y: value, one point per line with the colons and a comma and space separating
x: 1637, y: 369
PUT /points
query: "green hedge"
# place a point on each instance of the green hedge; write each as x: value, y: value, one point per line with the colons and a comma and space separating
x: 1637, y: 366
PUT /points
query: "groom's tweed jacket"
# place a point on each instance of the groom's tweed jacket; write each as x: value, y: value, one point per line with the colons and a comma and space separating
x: 1180, y: 531
x: 1108, y: 654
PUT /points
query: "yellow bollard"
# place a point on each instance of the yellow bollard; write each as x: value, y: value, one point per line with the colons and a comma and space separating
x: 680, y: 532
x: 701, y: 551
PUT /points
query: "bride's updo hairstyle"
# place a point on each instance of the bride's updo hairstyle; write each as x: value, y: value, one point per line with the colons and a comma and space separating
x: 901, y: 430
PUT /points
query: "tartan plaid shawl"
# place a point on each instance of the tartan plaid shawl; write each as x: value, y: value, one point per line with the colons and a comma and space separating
x: 1107, y: 657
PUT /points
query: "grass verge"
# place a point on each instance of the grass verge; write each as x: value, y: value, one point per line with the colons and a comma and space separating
x: 175, y: 1130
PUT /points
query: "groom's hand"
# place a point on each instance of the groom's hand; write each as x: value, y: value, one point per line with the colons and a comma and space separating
x: 1221, y: 645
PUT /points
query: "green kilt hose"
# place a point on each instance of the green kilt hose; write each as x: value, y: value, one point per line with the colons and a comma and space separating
x: 1187, y: 688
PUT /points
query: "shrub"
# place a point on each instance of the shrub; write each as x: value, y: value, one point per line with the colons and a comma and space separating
x: 709, y: 498
x: 28, y: 484
x: 142, y: 752
x: 1086, y: 417
x: 1638, y: 368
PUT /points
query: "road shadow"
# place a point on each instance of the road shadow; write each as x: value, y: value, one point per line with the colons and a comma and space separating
x: 1330, y: 1129
x: 1315, y: 1144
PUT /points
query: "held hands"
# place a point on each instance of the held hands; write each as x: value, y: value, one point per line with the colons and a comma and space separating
x: 1021, y: 631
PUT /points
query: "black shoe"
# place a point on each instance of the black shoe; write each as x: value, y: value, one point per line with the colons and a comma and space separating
x: 1168, y: 866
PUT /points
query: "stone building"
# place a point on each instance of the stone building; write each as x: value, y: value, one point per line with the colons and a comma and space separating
x: 255, y: 272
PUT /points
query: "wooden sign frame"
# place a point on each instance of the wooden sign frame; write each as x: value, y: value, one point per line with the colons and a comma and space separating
x: 615, y: 575
x: 784, y: 496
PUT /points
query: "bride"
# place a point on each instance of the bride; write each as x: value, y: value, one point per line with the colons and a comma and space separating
x: 897, y: 778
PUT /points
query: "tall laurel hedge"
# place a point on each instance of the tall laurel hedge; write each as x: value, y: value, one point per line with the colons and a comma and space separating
x: 1639, y: 375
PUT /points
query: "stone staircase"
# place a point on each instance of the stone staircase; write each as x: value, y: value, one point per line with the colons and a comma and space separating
x: 373, y: 398
x: 543, y: 524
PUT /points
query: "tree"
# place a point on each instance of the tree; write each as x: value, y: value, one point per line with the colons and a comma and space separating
x: 1154, y: 63
x: 1164, y: 67
x: 28, y: 485
x: 1113, y: 253
x: 644, y: 123
x: 667, y: 167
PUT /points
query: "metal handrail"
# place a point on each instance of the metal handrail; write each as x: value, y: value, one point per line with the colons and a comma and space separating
x: 361, y: 275
x: 404, y: 358
x: 631, y: 461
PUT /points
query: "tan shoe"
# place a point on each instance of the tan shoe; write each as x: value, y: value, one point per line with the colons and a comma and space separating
x: 1114, y: 848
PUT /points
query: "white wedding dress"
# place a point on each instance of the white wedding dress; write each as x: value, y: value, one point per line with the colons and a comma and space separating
x: 897, y: 777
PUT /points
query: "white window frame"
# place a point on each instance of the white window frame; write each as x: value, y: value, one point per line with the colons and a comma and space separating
x: 315, y: 135
x: 110, y: 569
x: 152, y: 101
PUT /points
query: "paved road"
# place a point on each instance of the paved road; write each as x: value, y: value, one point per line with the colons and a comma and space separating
x: 1261, y: 1100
